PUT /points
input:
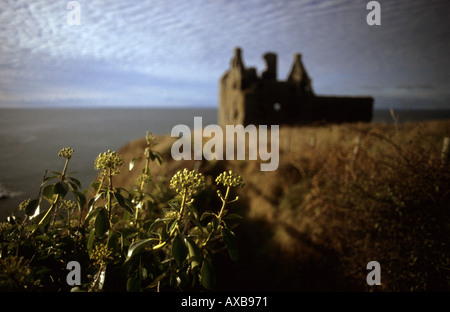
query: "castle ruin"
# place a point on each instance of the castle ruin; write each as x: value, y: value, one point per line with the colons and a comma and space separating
x: 246, y: 98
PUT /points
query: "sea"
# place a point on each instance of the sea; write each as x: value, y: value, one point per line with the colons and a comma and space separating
x: 30, y: 139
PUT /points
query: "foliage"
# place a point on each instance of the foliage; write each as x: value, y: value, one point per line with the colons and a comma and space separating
x: 134, y: 240
x: 385, y: 198
x: 359, y: 193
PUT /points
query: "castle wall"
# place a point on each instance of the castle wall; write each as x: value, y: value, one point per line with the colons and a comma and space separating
x: 274, y: 102
x: 342, y: 109
x: 247, y: 99
x: 231, y: 109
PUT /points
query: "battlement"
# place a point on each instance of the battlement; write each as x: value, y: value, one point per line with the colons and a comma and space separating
x: 246, y: 98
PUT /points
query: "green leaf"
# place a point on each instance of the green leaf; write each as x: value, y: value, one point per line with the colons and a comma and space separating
x: 207, y: 274
x: 164, y: 235
x: 46, y: 179
x: 206, y: 215
x: 213, y: 225
x: 90, y: 242
x: 101, y: 222
x: 195, y: 253
x: 147, y: 224
x: 39, y: 218
x: 134, y: 282
x: 48, y: 192
x: 179, y: 249
x: 111, y: 242
x: 73, y: 186
x: 43, y: 238
x: 93, y: 200
x: 44, y: 221
x: 171, y: 225
x: 61, y: 188
x: 123, y: 243
x: 137, y: 246
x: 197, y: 224
x: 81, y: 198
x: 191, y: 208
x: 175, y: 205
x: 121, y: 189
x: 91, y: 214
x: 76, y: 181
x: 230, y: 241
x: 96, y: 185
x: 158, y: 223
x: 149, y: 198
x: 157, y: 156
x: 133, y: 162
x: 30, y: 209
x: 233, y: 216
x: 123, y: 203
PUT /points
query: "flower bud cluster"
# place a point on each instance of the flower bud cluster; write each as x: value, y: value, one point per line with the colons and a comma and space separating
x: 109, y: 160
x: 5, y: 226
x: 100, y: 255
x: 144, y: 178
x: 24, y: 204
x: 230, y: 179
x: 150, y: 138
x: 170, y: 214
x: 191, y: 181
x: 68, y: 205
x: 66, y: 152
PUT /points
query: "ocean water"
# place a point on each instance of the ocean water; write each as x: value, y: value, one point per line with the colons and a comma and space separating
x: 31, y: 138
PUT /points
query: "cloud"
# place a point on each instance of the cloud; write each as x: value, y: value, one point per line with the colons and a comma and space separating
x: 183, y: 47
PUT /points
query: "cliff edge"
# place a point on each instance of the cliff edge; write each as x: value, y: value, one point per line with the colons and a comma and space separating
x: 343, y: 195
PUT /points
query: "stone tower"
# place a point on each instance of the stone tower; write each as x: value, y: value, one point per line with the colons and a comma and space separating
x: 245, y: 98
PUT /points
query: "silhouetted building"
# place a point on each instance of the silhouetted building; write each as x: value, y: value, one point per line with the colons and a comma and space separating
x: 246, y: 98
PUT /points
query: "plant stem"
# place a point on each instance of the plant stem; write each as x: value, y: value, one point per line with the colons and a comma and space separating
x: 63, y: 175
x: 61, y: 178
x: 224, y: 202
x: 20, y: 235
x: 111, y: 189
x: 147, y: 164
x: 136, y: 215
x: 54, y: 205
x: 146, y: 172
x: 183, y: 203
x: 219, y: 217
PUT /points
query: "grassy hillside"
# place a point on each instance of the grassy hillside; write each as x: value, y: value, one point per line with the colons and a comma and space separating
x: 343, y: 195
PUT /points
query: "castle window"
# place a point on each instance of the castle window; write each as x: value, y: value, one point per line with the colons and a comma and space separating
x: 236, y: 114
x: 277, y: 107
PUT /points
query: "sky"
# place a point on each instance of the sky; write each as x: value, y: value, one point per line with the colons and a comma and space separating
x: 172, y: 53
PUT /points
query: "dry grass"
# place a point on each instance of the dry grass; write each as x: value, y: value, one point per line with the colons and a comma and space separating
x: 343, y: 195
